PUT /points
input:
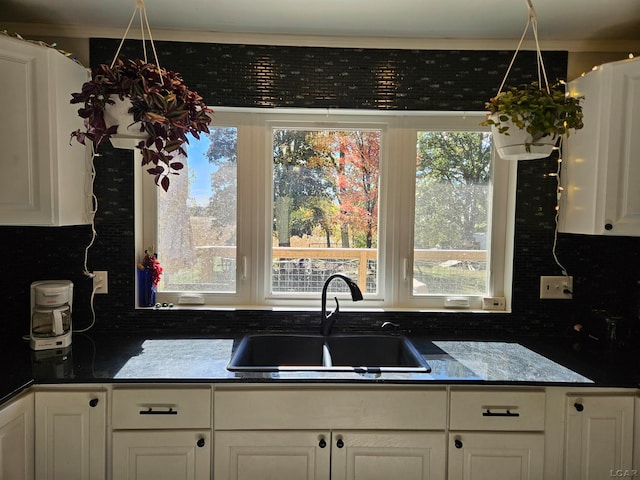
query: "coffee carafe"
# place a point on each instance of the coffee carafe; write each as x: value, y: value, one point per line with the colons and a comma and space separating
x: 51, y: 303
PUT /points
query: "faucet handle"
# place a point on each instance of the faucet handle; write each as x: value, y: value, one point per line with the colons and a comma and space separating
x: 394, y: 327
x: 337, y: 310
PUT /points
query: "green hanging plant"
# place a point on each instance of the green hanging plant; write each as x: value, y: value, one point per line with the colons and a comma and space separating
x: 539, y: 112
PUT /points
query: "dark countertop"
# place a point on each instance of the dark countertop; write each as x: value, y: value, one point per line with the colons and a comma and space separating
x: 116, y: 359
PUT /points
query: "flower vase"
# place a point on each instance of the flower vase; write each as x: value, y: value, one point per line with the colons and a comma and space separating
x: 146, y: 288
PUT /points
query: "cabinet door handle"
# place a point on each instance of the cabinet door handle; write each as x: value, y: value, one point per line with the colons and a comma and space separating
x: 322, y: 443
x: 578, y: 406
x: 93, y: 402
x: 506, y: 413
x: 200, y: 442
x: 151, y: 411
x: 339, y: 443
x: 457, y: 443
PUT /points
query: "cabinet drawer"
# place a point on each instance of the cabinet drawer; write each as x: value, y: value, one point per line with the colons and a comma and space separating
x: 330, y: 408
x: 497, y: 410
x: 139, y: 408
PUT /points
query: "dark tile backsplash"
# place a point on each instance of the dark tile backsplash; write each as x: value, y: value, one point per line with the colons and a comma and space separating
x: 605, y: 269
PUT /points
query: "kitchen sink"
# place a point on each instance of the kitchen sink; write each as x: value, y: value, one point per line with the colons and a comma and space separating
x: 308, y: 352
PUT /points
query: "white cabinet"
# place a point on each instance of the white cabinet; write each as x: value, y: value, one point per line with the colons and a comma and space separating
x: 16, y: 439
x: 496, y: 433
x: 44, y: 177
x: 320, y: 455
x: 158, y: 455
x: 504, y: 455
x: 601, y: 171
x: 599, y: 436
x: 161, y: 433
x: 382, y: 455
x: 338, y: 433
x: 70, y: 435
x: 277, y: 455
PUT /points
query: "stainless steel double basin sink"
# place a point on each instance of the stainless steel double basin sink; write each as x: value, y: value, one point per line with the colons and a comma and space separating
x: 308, y: 352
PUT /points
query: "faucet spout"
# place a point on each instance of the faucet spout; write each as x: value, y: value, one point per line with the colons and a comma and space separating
x: 328, y: 320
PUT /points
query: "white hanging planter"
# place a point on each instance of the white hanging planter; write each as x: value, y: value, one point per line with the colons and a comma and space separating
x: 518, y: 144
x: 129, y: 134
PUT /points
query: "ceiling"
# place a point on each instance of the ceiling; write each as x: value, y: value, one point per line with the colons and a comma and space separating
x: 558, y: 20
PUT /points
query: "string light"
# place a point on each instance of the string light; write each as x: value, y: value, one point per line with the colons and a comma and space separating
x: 559, y: 190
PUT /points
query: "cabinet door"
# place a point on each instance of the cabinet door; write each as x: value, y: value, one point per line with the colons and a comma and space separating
x: 16, y: 440
x: 599, y: 437
x: 272, y: 455
x: 70, y: 435
x: 388, y: 455
x: 44, y: 176
x: 600, y: 168
x: 493, y: 455
x: 161, y: 455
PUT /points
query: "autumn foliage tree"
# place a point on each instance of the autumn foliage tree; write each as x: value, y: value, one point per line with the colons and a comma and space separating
x: 351, y: 160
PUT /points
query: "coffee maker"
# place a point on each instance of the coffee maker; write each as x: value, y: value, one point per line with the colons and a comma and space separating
x: 51, y: 303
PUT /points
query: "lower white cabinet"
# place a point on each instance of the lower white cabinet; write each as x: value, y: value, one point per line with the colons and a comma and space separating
x: 496, y: 433
x: 16, y: 439
x: 599, y: 436
x: 159, y: 455
x: 314, y: 431
x: 368, y: 433
x: 382, y: 455
x: 161, y: 433
x: 70, y: 435
x: 492, y: 455
x: 339, y: 455
x: 247, y: 455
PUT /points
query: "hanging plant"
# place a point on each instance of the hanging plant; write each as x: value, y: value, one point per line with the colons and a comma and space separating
x: 538, y: 112
x: 162, y: 110
x: 527, y: 120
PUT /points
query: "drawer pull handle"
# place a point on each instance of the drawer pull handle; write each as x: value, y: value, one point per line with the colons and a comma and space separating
x: 151, y: 411
x: 457, y: 443
x: 507, y: 413
x: 200, y: 442
x: 339, y: 443
x: 93, y: 402
x: 322, y: 443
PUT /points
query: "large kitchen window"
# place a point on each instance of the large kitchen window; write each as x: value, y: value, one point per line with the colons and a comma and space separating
x: 412, y: 207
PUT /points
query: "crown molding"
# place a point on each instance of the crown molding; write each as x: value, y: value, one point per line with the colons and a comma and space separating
x: 418, y: 43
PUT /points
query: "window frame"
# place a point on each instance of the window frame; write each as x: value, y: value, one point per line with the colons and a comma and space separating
x: 396, y: 196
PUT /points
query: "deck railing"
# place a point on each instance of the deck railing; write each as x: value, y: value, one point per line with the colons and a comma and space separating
x: 306, y: 268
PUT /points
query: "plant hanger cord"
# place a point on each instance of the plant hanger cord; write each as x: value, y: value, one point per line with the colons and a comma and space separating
x: 532, y: 21
x: 139, y: 7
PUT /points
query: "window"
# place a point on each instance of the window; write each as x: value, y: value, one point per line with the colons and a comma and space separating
x: 412, y: 207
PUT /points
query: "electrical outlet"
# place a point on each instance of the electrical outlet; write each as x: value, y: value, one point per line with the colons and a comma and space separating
x: 556, y: 287
x: 100, y: 282
x: 494, y: 303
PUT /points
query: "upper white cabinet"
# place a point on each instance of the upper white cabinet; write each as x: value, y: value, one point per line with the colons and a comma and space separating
x: 44, y: 177
x: 601, y: 168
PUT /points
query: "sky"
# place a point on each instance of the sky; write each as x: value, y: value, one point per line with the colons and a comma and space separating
x: 200, y: 170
